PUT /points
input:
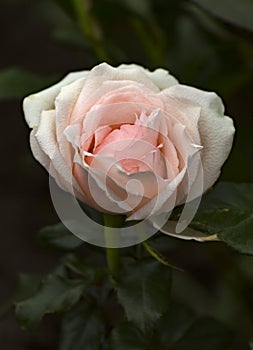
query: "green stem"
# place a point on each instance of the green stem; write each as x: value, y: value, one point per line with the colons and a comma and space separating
x: 112, y: 254
x: 89, y: 29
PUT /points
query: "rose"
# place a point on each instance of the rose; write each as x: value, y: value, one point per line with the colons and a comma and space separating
x: 127, y: 140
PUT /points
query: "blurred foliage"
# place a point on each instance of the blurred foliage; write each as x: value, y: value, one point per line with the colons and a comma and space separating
x: 161, y: 307
x: 16, y: 83
x: 229, y: 11
x: 204, y: 43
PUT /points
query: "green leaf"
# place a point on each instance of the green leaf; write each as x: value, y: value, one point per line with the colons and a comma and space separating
x: 225, y: 213
x: 229, y: 195
x: 174, y: 324
x: 93, y: 274
x: 75, y: 264
x: 240, y: 236
x: 216, y: 220
x: 231, y: 11
x: 17, y: 83
x: 181, y: 329
x: 127, y: 336
x: 59, y: 237
x: 178, y: 329
x: 82, y: 328
x: 27, y: 286
x: 97, y: 285
x: 227, y: 210
x: 144, y: 292
x: 55, y: 294
x: 209, y: 334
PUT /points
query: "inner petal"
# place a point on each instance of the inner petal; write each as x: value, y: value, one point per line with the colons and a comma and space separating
x: 125, y: 132
x: 134, y: 147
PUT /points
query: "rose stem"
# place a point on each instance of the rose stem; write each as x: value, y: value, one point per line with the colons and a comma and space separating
x: 112, y: 254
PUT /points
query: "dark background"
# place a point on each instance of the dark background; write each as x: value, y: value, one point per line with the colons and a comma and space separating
x: 199, y: 49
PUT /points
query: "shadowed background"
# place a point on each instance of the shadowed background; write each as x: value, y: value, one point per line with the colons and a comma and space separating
x: 201, y: 44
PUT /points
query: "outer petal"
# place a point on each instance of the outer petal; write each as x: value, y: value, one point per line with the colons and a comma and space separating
x: 38, y: 153
x: 104, y: 72
x: 216, y: 130
x: 34, y: 104
x: 64, y: 105
x: 46, y: 135
x: 113, y: 91
x: 188, y: 234
x: 45, y: 149
x: 160, y: 77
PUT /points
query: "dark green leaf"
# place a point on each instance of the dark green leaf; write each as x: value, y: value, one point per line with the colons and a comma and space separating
x: 127, y: 336
x: 231, y: 11
x: 227, y: 211
x: 209, y: 334
x: 144, y: 292
x: 82, y: 328
x: 55, y: 294
x: 17, y: 83
x: 96, y: 277
x: 59, y: 237
x: 216, y: 220
x: 174, y: 324
x: 75, y: 264
x: 229, y: 195
x: 27, y: 286
x: 181, y: 329
x: 240, y: 236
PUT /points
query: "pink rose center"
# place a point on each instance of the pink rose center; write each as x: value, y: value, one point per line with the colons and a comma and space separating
x: 129, y: 145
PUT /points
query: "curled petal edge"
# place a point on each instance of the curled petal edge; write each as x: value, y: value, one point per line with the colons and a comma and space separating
x: 170, y: 229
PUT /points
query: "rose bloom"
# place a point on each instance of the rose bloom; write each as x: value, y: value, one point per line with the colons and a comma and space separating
x: 129, y: 141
